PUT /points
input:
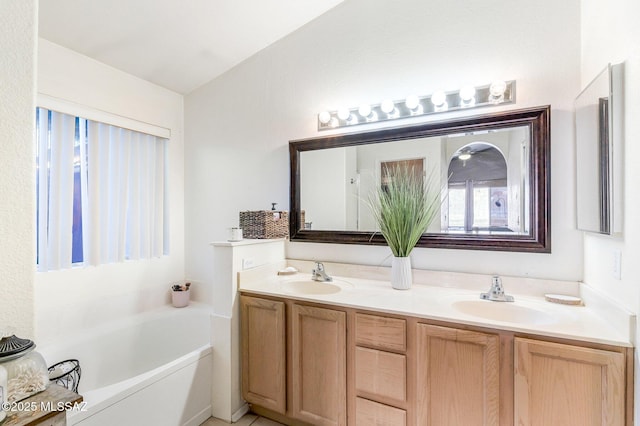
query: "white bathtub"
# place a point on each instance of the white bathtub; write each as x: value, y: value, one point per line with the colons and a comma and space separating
x: 154, y: 369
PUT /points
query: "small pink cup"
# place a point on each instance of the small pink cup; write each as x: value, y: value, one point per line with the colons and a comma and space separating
x: 180, y: 299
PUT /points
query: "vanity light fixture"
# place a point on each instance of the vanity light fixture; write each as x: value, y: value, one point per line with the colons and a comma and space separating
x: 498, y: 92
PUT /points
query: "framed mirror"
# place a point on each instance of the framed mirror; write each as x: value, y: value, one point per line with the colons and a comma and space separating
x: 599, y: 153
x: 493, y: 172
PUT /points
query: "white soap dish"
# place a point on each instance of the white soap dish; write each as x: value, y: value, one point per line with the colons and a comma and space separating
x: 563, y: 299
x: 289, y: 270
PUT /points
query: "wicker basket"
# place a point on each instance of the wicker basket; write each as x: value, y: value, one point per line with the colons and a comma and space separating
x: 264, y: 224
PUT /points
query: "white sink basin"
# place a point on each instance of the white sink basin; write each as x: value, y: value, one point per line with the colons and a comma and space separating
x: 503, y: 311
x: 309, y: 287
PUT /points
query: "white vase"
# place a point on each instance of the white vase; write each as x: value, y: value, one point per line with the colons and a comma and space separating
x: 401, y: 278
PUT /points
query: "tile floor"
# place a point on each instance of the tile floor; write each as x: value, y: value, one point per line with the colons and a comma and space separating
x: 246, y: 420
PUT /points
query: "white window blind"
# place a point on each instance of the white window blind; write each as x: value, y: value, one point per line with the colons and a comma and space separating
x: 101, y: 192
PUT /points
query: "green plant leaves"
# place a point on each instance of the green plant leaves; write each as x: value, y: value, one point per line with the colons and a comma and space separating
x: 403, y: 207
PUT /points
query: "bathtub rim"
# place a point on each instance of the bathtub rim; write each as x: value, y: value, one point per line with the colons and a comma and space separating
x: 56, y: 344
x: 116, y: 392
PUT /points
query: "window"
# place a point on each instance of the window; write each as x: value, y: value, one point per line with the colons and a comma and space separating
x: 457, y: 208
x: 477, y: 184
x: 101, y: 192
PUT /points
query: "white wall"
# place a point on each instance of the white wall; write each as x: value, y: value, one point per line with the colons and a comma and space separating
x: 18, y: 44
x: 226, y: 261
x: 82, y: 297
x: 238, y: 126
x: 610, y: 33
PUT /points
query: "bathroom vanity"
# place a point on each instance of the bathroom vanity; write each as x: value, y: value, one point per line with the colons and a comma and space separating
x: 356, y: 352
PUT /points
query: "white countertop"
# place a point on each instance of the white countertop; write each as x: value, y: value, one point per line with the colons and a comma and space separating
x: 529, y: 314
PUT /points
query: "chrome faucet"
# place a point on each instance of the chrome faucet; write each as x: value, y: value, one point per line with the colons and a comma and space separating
x: 318, y: 273
x: 496, y: 292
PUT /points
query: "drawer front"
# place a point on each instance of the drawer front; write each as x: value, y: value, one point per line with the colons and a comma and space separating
x: 381, y: 332
x: 381, y: 373
x: 369, y: 413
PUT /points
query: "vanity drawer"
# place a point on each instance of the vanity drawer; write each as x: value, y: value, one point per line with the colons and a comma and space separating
x: 381, y: 332
x: 382, y: 374
x: 369, y: 413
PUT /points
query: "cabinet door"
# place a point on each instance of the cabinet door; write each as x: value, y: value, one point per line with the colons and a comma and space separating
x: 457, y: 377
x: 559, y: 384
x: 263, y: 353
x: 318, y: 368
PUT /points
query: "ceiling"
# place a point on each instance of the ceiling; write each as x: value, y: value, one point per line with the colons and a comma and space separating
x: 179, y: 45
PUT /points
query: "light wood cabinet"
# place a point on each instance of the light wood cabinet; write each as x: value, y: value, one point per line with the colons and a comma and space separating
x: 381, y: 332
x: 559, y: 384
x: 382, y: 374
x: 318, y: 347
x: 264, y: 353
x: 301, y: 365
x: 380, y: 370
x: 457, y: 376
x: 370, y: 413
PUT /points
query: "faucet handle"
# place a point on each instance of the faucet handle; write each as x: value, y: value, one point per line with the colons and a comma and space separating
x: 496, y: 285
x: 318, y: 274
x: 496, y: 292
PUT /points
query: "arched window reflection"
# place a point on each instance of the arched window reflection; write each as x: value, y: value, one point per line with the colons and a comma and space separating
x: 478, y: 190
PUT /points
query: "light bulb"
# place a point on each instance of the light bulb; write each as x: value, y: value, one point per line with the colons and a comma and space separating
x: 467, y: 96
x: 344, y: 114
x: 464, y: 156
x: 467, y: 93
x: 497, y: 88
x: 387, y: 106
x: 496, y: 91
x: 439, y: 98
x: 364, y: 110
x: 324, y: 117
x: 367, y: 113
x: 412, y: 102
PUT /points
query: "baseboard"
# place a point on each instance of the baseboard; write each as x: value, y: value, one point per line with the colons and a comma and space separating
x: 240, y: 412
x: 199, y: 418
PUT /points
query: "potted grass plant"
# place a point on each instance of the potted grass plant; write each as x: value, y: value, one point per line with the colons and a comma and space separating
x: 403, y: 206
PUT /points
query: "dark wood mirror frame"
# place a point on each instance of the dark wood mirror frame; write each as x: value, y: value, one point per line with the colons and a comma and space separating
x: 537, y: 241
